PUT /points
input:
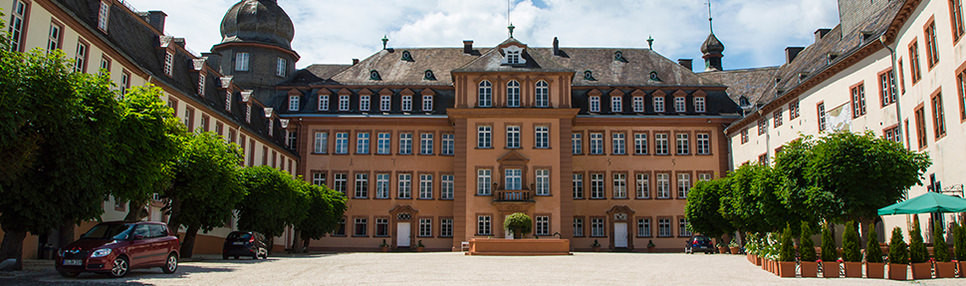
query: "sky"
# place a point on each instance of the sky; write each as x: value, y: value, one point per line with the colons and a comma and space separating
x: 754, y: 32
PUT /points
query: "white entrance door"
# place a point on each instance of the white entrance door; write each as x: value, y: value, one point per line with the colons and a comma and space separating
x: 402, y: 234
x: 620, y: 234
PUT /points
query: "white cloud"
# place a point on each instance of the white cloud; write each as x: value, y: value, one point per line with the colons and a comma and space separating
x: 335, y: 31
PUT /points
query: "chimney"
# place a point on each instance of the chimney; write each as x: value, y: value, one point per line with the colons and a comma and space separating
x: 467, y: 46
x: 791, y: 53
x: 355, y: 61
x: 556, y: 46
x: 820, y: 33
x: 686, y: 63
x: 156, y: 19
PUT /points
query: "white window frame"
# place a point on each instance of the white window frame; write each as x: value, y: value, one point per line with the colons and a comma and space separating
x: 618, y: 143
x: 426, y: 143
x: 344, y: 102
x: 664, y: 227
x: 513, y: 137
x: 484, y: 137
x: 449, y: 144
x: 663, y: 185
x: 597, y: 227
x: 699, y: 104
x: 484, y: 179
x: 620, y: 185
x: 382, y: 185
x: 241, y: 61
x: 638, y: 104
x: 364, y: 103
x: 542, y: 225
x: 384, y: 143
x: 425, y: 186
x: 597, y: 190
x: 597, y: 143
x: 485, y: 94
x: 513, y: 179
x: 682, y: 144
x: 616, y: 104
x: 684, y: 185
x: 513, y: 93
x: 16, y: 24
x: 446, y: 186
x: 542, y: 182
x: 293, y: 103
x: 446, y: 227
x: 385, y: 103
x: 425, y: 227
x: 541, y: 137
x: 683, y: 227
x: 80, y: 60
x: 484, y: 225
x: 644, y: 227
x: 643, y: 185
x: 407, y: 103
x: 281, y: 66
x: 640, y: 143
x: 361, y: 185
x: 576, y: 143
x: 658, y: 104
x: 594, y: 104
x: 318, y: 178
x: 578, y: 185
x: 542, y: 94
x: 427, y: 103
x: 704, y: 143
x: 578, y: 227
x: 342, y: 143
x: 341, y: 179
x: 680, y: 104
x: 362, y: 143
x: 405, y: 143
x: 103, y: 14
x: 405, y: 189
x: 323, y: 102
x: 169, y: 63
x: 661, y: 144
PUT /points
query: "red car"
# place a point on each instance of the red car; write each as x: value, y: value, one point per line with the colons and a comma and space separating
x: 114, y: 248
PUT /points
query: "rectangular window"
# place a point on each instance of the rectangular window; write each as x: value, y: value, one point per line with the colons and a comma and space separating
x: 201, y: 84
x: 680, y: 104
x: 281, y: 65
x: 80, y: 58
x: 382, y: 227
x: 383, y: 142
x: 620, y: 185
x: 542, y: 225
x: 293, y: 103
x: 483, y: 182
x: 704, y: 143
x: 16, y: 25
x: 793, y: 110
x: 644, y: 227
x: 425, y: 227
x: 658, y: 104
x: 956, y: 17
x: 425, y: 186
x: 638, y: 104
x: 406, y: 143
x: 189, y: 119
x: 684, y: 185
x: 699, y: 105
x: 543, y: 182
x: 643, y: 186
x: 385, y: 102
x: 323, y: 102
x: 777, y: 115
x: 102, y: 15
x: 343, y: 103
x: 405, y: 186
x: 932, y: 49
x: 241, y: 61
x: 426, y: 143
x: 616, y: 104
x: 446, y: 227
x: 892, y: 134
x: 54, y: 37
x: 318, y: 178
x: 363, y: 103
x: 541, y: 137
x: 762, y: 126
x: 597, y: 186
x: 407, y: 103
x: 427, y: 103
x: 597, y: 227
x: 578, y: 226
x: 340, y: 182
x: 342, y: 143
x: 513, y: 179
x: 596, y: 143
x: 683, y: 228
x: 382, y: 186
x: 618, y: 143
x: 661, y: 144
x: 663, y: 185
x: 902, y: 80
x: 449, y: 143
x: 914, y: 62
x: 576, y: 142
x: 822, y: 120
x: 887, y: 88
x: 340, y: 229
x: 744, y: 136
x: 858, y: 100
x: 446, y: 187
x: 704, y: 177
x: 664, y: 227
x: 483, y: 225
x: 484, y: 137
x: 169, y: 63
x: 360, y: 227
x: 961, y: 88
x: 938, y: 116
x: 513, y: 137
x: 595, y: 104
x: 204, y: 123
x: 321, y: 142
x: 683, y: 144
x: 291, y: 137
x: 640, y: 143
x: 578, y: 181
x: 362, y: 186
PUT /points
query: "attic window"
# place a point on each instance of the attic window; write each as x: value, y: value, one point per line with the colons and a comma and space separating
x: 619, y: 56
x: 374, y: 75
x: 830, y: 58
x: 589, y: 75
x: 654, y: 76
x: 428, y: 75
x: 802, y: 76
x: 743, y: 101
x: 406, y: 56
x: 513, y: 55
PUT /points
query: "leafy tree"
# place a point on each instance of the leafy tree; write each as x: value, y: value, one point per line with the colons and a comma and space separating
x: 917, y: 249
x: 273, y: 200
x: 751, y: 203
x: 325, y: 209
x: 829, y: 251
x: 787, y: 252
x: 940, y: 248
x: 793, y: 187
x: 873, y: 253
x: 56, y: 131
x: 897, y: 248
x: 959, y: 240
x: 851, y: 251
x: 704, y: 200
x: 519, y: 223
x: 205, y: 188
x: 806, y: 248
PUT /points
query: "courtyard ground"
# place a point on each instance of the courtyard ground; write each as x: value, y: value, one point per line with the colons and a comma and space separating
x: 455, y: 269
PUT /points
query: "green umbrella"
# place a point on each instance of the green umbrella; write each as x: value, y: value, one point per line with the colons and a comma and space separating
x: 930, y: 202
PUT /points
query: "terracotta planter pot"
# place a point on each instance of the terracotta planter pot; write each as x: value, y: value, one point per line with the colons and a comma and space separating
x: 735, y: 250
x: 597, y: 249
x: 830, y: 269
x: 897, y: 271
x: 766, y: 265
x: 922, y: 270
x: 385, y: 249
x: 723, y: 250
x: 774, y: 267
x: 419, y: 249
x: 786, y: 269
x: 651, y: 249
x: 962, y: 269
x: 757, y: 260
x: 809, y: 269
x: 945, y: 269
x: 874, y: 270
x: 853, y: 269
x: 748, y: 257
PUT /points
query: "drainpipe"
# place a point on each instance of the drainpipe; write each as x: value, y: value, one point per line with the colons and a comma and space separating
x: 895, y: 72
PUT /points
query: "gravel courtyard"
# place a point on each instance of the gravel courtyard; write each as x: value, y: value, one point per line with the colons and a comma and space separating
x: 457, y: 269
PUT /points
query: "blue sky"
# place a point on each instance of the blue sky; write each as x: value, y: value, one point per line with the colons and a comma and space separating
x: 755, y: 32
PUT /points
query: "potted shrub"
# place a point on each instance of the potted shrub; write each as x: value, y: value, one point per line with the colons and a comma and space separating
x: 898, y: 256
x: 420, y: 246
x: 959, y: 242
x: 519, y: 223
x: 722, y: 247
x: 384, y: 246
x: 830, y: 264
x: 806, y: 249
x: 734, y: 246
x: 944, y: 268
x: 918, y: 254
x: 596, y: 246
x: 650, y: 245
x: 786, y: 257
x: 851, y: 253
x: 874, y: 268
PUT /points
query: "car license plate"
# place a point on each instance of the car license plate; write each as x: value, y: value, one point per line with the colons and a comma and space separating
x: 239, y: 243
x: 72, y: 262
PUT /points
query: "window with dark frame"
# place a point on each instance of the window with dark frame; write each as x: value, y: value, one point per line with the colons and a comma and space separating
x: 932, y: 48
x: 360, y: 226
x: 956, y: 19
x: 921, y: 136
x: 914, y: 62
x: 887, y: 88
x: 938, y: 116
x: 858, y: 100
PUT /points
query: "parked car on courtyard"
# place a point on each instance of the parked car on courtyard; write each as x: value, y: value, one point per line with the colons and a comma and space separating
x: 699, y: 243
x: 244, y: 243
x: 114, y: 248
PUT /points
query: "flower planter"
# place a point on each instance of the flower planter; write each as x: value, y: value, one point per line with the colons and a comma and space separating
x: 774, y: 267
x: 758, y: 260
x: 786, y: 269
x: 735, y: 250
x: 962, y: 269
x: 853, y: 269
x: 597, y: 249
x: 765, y: 264
x: 830, y: 269
x: 384, y: 248
x: 945, y: 269
x: 922, y: 270
x: 809, y: 269
x: 419, y: 249
x: 874, y: 270
x: 897, y: 271
x: 723, y: 250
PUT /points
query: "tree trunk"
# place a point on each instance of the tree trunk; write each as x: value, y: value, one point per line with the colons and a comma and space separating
x: 271, y: 243
x: 174, y: 219
x: 305, y: 245
x: 65, y: 233
x: 864, y: 224
x: 188, y: 244
x: 135, y: 211
x: 12, y: 248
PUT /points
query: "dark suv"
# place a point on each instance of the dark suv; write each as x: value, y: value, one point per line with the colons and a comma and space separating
x: 244, y: 243
x: 114, y: 248
x: 699, y: 243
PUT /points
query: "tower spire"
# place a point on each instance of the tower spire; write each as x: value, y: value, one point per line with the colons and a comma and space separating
x: 710, y: 23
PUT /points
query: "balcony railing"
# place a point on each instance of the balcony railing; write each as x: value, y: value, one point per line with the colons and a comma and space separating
x: 513, y: 196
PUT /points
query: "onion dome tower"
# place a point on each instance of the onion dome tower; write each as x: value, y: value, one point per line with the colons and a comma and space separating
x: 712, y: 49
x: 256, y: 46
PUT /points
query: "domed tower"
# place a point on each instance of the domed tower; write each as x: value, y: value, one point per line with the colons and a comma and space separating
x: 256, y: 44
x: 712, y: 49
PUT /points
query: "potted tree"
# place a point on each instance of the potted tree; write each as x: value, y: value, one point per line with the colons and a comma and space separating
x: 384, y: 246
x: 786, y: 257
x: 650, y: 245
x: 851, y: 253
x: 722, y: 247
x: 918, y: 254
x: 420, y: 246
x: 874, y: 268
x: 898, y: 256
x: 959, y: 242
x: 734, y: 246
x: 519, y: 223
x: 944, y: 268
x: 830, y: 264
x: 806, y: 249
x: 596, y: 246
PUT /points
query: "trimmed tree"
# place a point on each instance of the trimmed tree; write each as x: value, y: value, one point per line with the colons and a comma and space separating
x: 959, y: 240
x: 829, y: 251
x: 917, y: 249
x: 897, y: 248
x: 787, y: 251
x: 751, y: 203
x: 851, y: 252
x: 273, y: 201
x: 872, y: 251
x: 794, y: 188
x: 325, y: 208
x: 519, y: 223
x: 704, y: 200
x: 939, y: 246
x: 806, y: 248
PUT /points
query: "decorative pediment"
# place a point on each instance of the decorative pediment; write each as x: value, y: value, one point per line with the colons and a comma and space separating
x: 616, y: 92
x: 284, y: 123
x: 594, y: 92
x: 199, y: 64
x: 428, y: 91
x: 226, y: 81
x: 680, y: 93
x: 246, y: 95
x: 407, y: 92
x: 268, y: 112
x: 165, y: 41
x: 345, y: 91
x: 324, y: 91
x: 658, y: 93
x: 699, y: 93
x: 620, y: 209
x: 638, y: 92
x: 513, y: 55
x: 403, y: 209
x: 513, y: 158
x: 295, y: 92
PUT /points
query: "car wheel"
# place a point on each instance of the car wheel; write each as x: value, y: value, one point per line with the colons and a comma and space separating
x: 119, y: 267
x: 68, y: 274
x: 170, y: 265
x: 236, y: 257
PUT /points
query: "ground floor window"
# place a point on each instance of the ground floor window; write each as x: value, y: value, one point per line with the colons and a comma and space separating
x: 382, y: 227
x: 644, y: 227
x: 340, y: 229
x: 578, y: 226
x: 664, y: 227
x: 597, y: 227
x: 543, y: 225
x: 446, y: 227
x: 425, y: 227
x: 683, y: 227
x: 483, y: 224
x: 360, y: 227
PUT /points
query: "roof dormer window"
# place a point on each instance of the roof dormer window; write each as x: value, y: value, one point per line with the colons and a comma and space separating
x: 588, y: 75
x: 619, y: 56
x: 428, y: 75
x: 407, y: 57
x: 374, y: 75
x: 513, y: 55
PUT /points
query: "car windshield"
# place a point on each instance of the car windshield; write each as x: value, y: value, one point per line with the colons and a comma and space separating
x: 239, y: 236
x: 109, y: 231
